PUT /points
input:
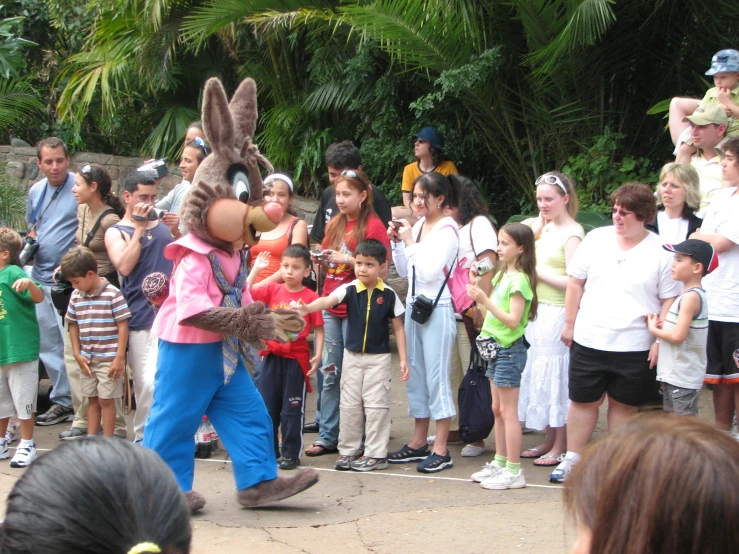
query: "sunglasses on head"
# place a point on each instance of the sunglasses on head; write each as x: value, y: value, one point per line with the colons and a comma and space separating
x: 550, y: 179
x: 201, y: 143
x: 353, y: 174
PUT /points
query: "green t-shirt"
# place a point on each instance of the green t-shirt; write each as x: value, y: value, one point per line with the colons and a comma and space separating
x: 19, y: 334
x: 510, y: 284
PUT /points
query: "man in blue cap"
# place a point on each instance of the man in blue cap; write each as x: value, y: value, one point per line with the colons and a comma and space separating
x: 428, y: 146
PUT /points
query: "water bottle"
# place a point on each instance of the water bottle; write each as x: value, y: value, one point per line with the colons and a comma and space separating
x: 206, y: 439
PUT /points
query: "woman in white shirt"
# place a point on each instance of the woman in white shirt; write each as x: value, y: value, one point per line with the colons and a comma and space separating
x: 426, y: 253
x: 617, y: 276
x: 678, y: 198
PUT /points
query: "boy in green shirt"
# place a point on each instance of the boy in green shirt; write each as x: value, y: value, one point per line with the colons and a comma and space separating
x: 19, y: 348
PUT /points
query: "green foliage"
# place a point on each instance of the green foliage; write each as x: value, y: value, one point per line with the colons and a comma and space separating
x: 12, y: 203
x: 18, y: 102
x: 597, y: 174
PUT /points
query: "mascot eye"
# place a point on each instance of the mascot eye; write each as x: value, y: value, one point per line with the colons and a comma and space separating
x: 240, y: 184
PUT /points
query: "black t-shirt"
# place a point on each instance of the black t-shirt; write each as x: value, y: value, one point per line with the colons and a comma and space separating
x: 328, y: 209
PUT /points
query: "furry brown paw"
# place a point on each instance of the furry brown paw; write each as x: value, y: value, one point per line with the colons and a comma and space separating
x: 288, y: 325
x: 267, y: 492
x: 256, y: 324
x: 195, y: 501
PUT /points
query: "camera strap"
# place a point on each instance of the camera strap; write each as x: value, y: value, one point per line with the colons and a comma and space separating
x: 91, y: 234
x: 448, y: 273
x: 35, y: 216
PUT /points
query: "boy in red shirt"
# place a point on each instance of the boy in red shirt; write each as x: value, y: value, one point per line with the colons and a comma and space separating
x: 285, y: 370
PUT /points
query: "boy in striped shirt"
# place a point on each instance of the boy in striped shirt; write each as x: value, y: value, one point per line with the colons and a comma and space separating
x: 98, y: 328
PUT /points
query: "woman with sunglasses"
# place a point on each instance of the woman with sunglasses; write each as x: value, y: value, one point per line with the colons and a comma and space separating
x: 428, y: 150
x: 617, y: 276
x: 290, y: 230
x: 544, y: 402
x: 356, y: 222
x: 193, y: 155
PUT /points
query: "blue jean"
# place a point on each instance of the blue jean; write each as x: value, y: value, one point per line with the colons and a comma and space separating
x: 430, y: 345
x: 334, y: 329
x: 506, y: 368
x: 189, y: 384
x: 319, y: 389
x: 52, y: 349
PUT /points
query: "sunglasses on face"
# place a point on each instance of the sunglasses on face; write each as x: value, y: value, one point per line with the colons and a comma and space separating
x: 622, y: 213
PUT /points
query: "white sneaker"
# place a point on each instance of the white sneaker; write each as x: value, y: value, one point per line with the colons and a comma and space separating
x: 472, y: 450
x: 24, y: 455
x: 560, y: 473
x: 4, y: 451
x: 504, y: 480
x: 13, y: 433
x: 490, y: 469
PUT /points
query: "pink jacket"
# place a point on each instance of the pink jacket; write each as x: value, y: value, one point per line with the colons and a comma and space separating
x: 193, y: 290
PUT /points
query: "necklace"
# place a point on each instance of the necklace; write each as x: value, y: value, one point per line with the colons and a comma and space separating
x: 148, y: 234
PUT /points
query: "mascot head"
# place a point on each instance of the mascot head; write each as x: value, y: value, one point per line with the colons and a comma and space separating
x: 224, y: 206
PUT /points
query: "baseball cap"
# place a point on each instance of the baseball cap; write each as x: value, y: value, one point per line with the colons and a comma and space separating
x: 724, y: 61
x: 705, y: 115
x: 432, y: 136
x: 702, y: 251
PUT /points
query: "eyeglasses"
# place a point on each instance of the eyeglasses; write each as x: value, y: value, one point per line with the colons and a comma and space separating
x: 622, y: 213
x: 419, y: 141
x: 550, y: 179
x: 353, y: 174
x: 201, y: 143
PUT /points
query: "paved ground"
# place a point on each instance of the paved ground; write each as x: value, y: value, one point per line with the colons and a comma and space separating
x: 398, y: 510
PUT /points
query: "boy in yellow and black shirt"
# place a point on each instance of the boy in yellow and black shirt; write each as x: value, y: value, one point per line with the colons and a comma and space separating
x: 365, y: 386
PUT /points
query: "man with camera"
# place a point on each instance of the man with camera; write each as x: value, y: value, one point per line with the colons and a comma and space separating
x: 51, y: 214
x: 136, y: 248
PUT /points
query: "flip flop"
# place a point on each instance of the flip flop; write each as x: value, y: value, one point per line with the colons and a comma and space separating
x: 547, y: 461
x: 536, y: 451
x: 323, y: 450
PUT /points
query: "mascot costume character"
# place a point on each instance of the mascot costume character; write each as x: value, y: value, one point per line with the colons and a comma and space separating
x: 208, y: 327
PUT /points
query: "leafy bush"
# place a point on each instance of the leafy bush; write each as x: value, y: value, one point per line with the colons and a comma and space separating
x: 597, y: 174
x: 12, y: 204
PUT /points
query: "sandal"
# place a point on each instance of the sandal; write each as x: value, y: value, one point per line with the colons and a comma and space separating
x: 319, y: 450
x: 536, y: 453
x: 547, y: 461
x: 407, y: 454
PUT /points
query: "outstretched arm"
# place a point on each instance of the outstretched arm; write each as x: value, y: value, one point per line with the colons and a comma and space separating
x: 323, y: 303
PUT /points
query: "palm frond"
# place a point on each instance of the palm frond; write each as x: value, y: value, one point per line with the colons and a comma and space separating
x: 166, y: 138
x: 12, y: 204
x: 18, y: 101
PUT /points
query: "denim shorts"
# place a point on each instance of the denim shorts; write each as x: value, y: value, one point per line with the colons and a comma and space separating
x: 506, y: 369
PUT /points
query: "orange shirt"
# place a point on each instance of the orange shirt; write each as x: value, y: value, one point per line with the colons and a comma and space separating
x: 275, y: 247
x: 411, y: 172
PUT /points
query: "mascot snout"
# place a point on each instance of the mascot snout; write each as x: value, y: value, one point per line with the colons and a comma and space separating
x: 232, y: 221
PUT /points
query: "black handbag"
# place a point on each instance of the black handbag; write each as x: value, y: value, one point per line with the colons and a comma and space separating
x: 476, y: 419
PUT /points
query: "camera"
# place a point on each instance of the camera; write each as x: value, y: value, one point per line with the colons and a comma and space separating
x: 61, y: 292
x: 483, y: 266
x: 320, y: 255
x: 157, y: 167
x: 154, y: 214
x: 30, y: 247
x: 421, y: 309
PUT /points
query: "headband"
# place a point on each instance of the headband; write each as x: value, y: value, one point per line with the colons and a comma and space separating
x: 280, y: 177
x: 143, y: 547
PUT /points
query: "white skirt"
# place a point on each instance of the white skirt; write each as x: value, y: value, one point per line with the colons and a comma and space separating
x: 544, y: 397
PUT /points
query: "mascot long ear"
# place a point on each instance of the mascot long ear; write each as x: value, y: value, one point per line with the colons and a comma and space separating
x: 243, y: 108
x: 217, y: 121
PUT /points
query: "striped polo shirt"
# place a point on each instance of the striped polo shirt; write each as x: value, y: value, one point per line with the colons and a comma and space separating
x: 97, y: 313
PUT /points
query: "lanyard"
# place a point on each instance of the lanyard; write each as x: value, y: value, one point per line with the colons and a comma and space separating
x: 34, y: 217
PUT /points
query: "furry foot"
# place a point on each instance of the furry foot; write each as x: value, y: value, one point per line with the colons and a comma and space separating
x: 195, y: 501
x: 267, y: 492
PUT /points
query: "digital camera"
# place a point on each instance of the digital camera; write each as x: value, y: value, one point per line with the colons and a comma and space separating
x: 157, y: 167
x: 30, y: 247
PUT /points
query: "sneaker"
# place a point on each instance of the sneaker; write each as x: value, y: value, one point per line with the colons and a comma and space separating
x: 407, y: 454
x: 434, y: 463
x: 491, y: 469
x: 56, y: 414
x: 344, y: 463
x: 24, y: 455
x: 311, y: 427
x: 4, y: 451
x: 472, y: 450
x: 560, y: 473
x: 13, y: 432
x: 73, y: 433
x: 289, y: 463
x: 504, y: 480
x: 366, y: 463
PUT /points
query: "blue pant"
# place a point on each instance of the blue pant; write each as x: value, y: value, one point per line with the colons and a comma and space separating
x: 333, y: 355
x: 430, y: 346
x: 52, y: 349
x: 189, y: 385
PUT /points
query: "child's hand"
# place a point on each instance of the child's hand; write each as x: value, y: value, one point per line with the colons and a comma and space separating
x: 302, y: 308
x: 262, y: 261
x: 314, y: 361
x: 403, y: 370
x: 653, y: 322
x: 724, y: 97
x: 84, y: 365
x: 476, y: 293
x: 22, y: 284
x: 117, y: 367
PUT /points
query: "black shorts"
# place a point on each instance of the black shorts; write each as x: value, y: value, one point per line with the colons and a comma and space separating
x: 723, y: 353
x: 625, y: 376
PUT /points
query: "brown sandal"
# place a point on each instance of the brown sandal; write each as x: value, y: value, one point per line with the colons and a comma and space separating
x: 320, y: 450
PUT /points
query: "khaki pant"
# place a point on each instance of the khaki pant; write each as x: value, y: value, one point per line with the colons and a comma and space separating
x: 79, y: 402
x: 365, y: 404
x: 461, y: 352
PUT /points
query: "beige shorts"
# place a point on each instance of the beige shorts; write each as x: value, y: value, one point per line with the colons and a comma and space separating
x: 18, y: 389
x: 100, y: 384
